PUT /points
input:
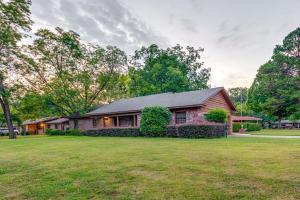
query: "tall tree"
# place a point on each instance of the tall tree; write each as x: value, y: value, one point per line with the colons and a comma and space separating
x: 74, y: 75
x: 14, y: 20
x: 276, y: 89
x: 156, y: 70
x: 238, y: 94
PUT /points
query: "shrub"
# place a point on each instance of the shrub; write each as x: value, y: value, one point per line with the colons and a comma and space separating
x: 201, y: 131
x: 118, y: 132
x: 24, y: 133
x: 54, y: 132
x: 74, y: 132
x: 216, y: 115
x: 184, y: 131
x: 248, y: 126
x: 155, y: 120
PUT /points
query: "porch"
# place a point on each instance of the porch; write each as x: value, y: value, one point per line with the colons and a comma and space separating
x: 116, y: 121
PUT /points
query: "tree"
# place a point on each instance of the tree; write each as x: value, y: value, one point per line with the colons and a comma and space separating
x: 75, y: 76
x: 14, y: 19
x: 33, y: 106
x: 276, y: 89
x: 156, y: 70
x: 238, y: 94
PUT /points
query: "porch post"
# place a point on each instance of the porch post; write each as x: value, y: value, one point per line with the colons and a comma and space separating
x: 134, y: 119
x: 118, y: 121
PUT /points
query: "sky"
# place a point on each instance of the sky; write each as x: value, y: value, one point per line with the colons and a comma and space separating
x: 237, y: 35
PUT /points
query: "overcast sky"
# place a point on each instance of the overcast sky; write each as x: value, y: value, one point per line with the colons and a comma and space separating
x: 237, y: 35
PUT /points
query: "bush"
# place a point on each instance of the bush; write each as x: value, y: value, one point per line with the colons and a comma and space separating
x: 74, y: 132
x: 216, y: 115
x: 201, y: 131
x: 24, y: 133
x: 118, y: 132
x: 155, y: 120
x: 185, y: 131
x: 248, y: 126
x: 54, y: 132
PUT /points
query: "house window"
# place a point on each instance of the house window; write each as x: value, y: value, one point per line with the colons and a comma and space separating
x: 56, y: 126
x: 180, y: 117
x: 94, y: 122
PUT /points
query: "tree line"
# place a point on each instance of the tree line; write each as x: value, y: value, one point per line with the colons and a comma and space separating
x: 60, y: 74
x: 275, y: 91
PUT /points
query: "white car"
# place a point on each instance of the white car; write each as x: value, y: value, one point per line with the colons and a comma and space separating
x: 4, y: 131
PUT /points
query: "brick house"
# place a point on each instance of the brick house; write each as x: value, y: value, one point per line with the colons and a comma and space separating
x: 186, y: 107
x: 38, y: 126
x: 58, y: 124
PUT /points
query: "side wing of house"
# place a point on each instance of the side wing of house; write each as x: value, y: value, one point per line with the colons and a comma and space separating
x: 220, y: 100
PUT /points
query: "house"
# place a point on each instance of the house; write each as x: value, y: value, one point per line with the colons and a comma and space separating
x: 58, y: 124
x: 245, y: 119
x: 37, y: 126
x: 186, y: 107
x: 286, y: 124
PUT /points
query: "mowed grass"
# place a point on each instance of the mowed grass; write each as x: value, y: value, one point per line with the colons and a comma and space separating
x: 149, y: 168
x: 279, y: 132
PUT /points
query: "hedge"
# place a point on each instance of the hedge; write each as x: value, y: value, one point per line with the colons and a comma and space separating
x: 118, y: 132
x: 184, y: 131
x: 73, y: 132
x: 236, y: 126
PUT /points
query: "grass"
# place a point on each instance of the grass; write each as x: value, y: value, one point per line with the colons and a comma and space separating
x: 149, y: 168
x: 279, y: 132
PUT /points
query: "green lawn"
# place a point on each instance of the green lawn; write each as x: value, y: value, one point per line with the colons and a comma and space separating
x: 149, y: 168
x: 292, y: 132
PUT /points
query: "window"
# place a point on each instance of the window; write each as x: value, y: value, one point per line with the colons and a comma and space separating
x: 56, y: 126
x: 180, y: 117
x: 94, y: 122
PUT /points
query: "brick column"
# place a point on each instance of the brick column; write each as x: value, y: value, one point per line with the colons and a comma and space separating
x: 229, y: 124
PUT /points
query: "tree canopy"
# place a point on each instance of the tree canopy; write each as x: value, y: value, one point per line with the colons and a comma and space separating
x: 156, y: 70
x: 276, y: 88
x: 74, y: 76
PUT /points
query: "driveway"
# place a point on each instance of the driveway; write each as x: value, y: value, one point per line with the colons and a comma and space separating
x: 264, y: 136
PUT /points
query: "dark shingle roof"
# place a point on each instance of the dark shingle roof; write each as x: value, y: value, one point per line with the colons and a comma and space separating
x: 58, y: 121
x: 170, y: 100
x: 39, y: 120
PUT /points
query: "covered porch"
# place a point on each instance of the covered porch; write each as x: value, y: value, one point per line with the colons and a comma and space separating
x: 116, y: 121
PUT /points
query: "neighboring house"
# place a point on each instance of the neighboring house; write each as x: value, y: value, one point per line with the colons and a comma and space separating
x: 245, y: 119
x: 37, y: 126
x: 186, y: 107
x: 58, y: 124
x: 286, y: 124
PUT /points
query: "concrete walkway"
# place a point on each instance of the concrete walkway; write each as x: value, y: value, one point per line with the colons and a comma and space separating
x: 264, y: 136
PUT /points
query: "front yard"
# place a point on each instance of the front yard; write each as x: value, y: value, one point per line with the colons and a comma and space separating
x: 149, y: 168
x: 277, y: 132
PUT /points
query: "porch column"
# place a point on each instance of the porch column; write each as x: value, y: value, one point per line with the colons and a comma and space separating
x: 134, y: 120
x: 118, y: 125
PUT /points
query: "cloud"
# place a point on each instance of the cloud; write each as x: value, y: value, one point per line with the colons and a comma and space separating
x: 235, y: 79
x: 231, y: 34
x: 189, y: 25
x: 104, y: 22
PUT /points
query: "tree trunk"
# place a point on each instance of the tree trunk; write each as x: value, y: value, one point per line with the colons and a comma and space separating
x: 6, y: 111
